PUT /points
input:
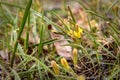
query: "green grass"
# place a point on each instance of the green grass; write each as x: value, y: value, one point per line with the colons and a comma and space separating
x: 20, y: 31
x: 30, y: 48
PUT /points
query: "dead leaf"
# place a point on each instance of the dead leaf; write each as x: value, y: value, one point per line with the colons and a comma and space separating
x: 64, y: 51
x: 4, y: 55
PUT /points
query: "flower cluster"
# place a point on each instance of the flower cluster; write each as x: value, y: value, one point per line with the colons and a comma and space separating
x: 75, y: 33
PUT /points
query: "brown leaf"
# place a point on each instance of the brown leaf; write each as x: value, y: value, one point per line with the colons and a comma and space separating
x: 64, y: 51
x: 4, y: 55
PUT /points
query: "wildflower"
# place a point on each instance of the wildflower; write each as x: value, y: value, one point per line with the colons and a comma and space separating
x: 76, y: 33
x: 65, y: 63
x: 55, y: 67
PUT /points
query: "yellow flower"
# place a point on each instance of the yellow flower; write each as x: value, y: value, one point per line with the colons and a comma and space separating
x: 75, y: 33
x: 55, y: 67
x: 78, y: 32
x: 65, y: 63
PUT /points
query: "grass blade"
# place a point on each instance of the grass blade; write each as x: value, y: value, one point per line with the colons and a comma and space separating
x: 11, y: 4
x: 71, y: 15
x: 41, y: 39
x: 16, y: 76
x: 27, y: 33
x: 115, y: 2
x: 20, y: 31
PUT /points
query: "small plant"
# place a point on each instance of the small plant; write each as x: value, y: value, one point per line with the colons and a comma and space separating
x: 77, y: 40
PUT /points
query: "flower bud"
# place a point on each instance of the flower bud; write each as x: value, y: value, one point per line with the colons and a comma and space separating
x: 75, y: 56
x: 65, y: 63
x: 55, y: 67
x: 81, y: 77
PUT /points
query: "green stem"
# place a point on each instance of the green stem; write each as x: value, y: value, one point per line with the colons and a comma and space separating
x: 41, y: 39
x: 71, y: 15
x: 27, y: 33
